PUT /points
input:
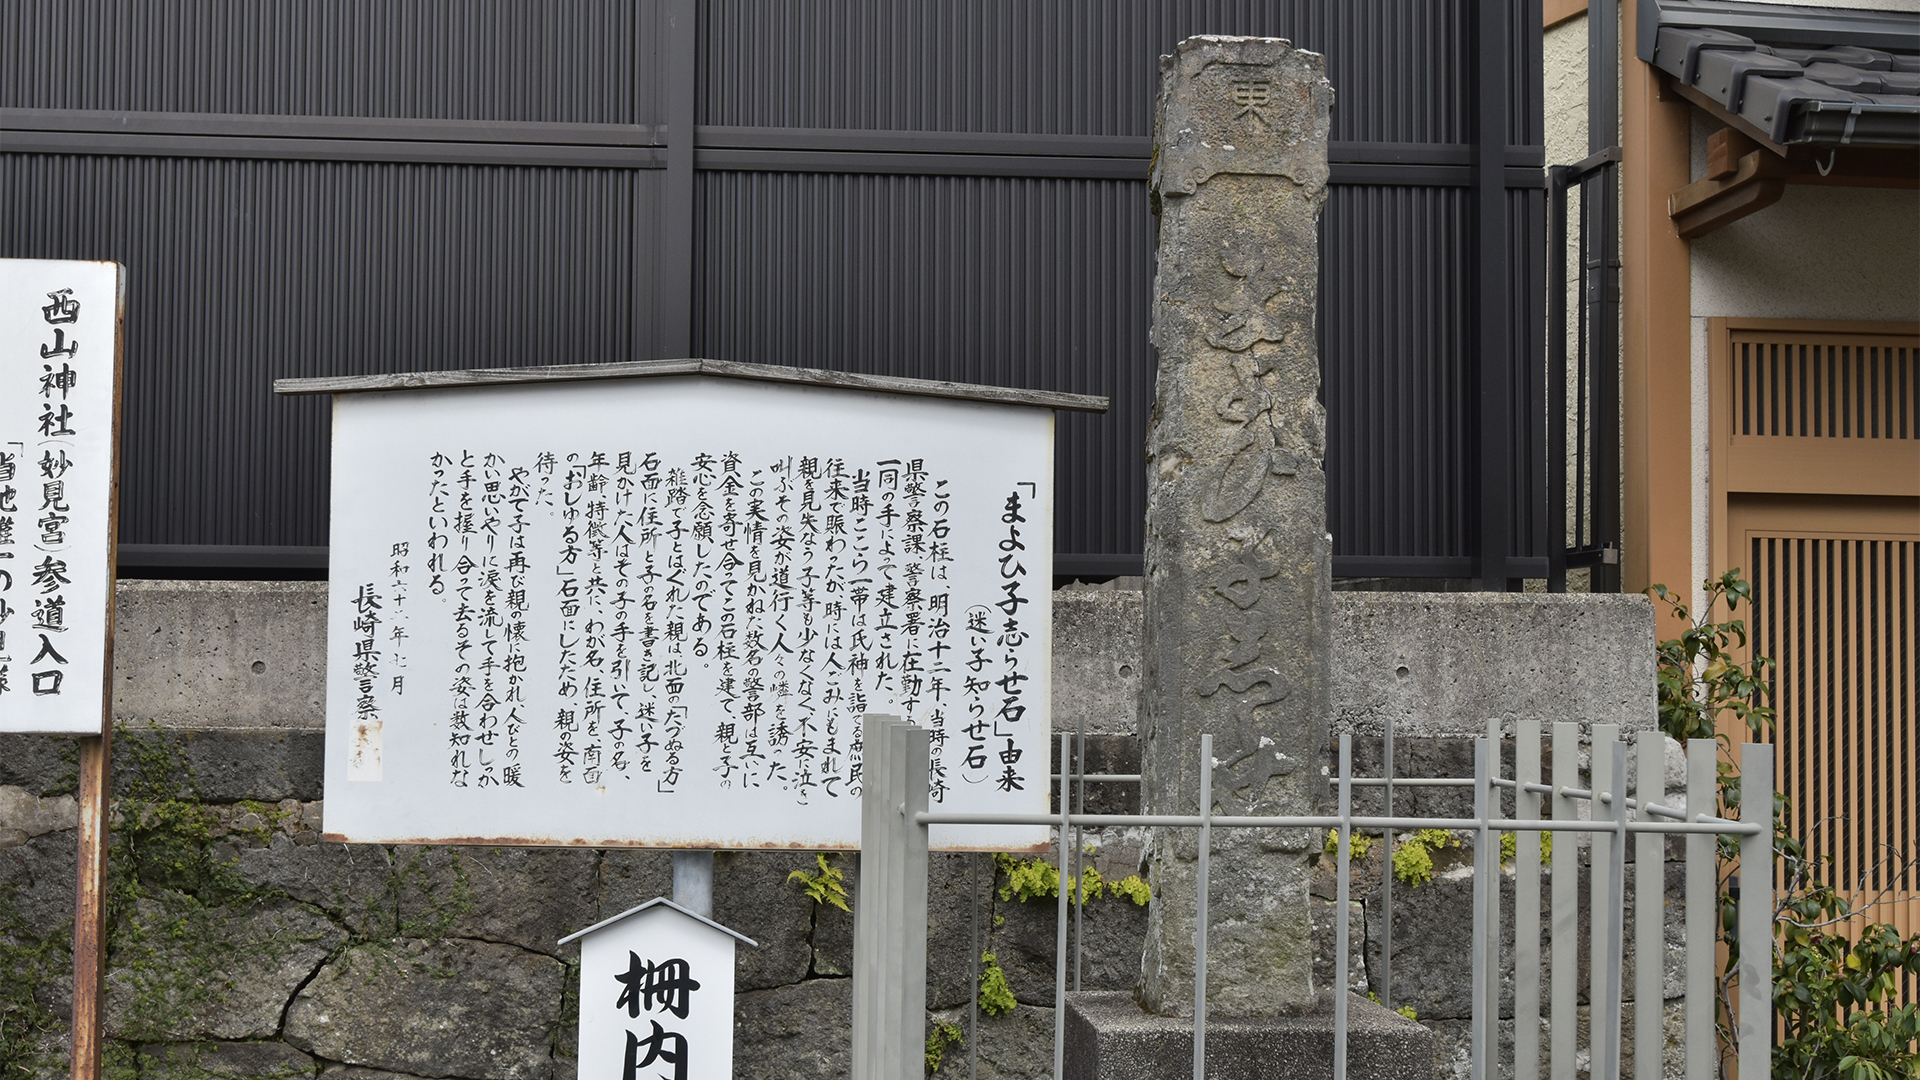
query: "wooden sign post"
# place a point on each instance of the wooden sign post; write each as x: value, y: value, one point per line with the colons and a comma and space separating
x: 61, y: 324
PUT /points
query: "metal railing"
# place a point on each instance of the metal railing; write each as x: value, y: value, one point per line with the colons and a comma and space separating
x: 1583, y: 524
x: 890, y: 941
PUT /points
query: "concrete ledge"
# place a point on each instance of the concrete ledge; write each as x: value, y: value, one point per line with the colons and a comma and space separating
x: 1109, y: 1037
x: 252, y: 654
x: 1443, y: 663
x: 211, y: 654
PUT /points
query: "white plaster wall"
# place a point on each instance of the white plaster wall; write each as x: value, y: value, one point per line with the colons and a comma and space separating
x: 1818, y: 253
x: 1565, y: 57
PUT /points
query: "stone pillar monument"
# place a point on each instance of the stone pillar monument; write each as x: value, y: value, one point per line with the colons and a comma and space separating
x: 1239, y: 565
x: 1239, y: 586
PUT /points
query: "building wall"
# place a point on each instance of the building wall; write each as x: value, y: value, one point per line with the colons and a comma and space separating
x: 1819, y: 253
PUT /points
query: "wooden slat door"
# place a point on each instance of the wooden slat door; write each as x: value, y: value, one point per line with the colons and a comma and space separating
x: 1815, y: 493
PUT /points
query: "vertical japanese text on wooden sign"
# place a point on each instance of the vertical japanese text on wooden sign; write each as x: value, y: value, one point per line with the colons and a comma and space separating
x: 59, y: 327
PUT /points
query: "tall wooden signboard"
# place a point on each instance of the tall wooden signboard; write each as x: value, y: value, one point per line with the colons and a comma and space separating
x: 60, y: 325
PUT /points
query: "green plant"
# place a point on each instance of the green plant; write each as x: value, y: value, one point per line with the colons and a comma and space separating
x: 945, y: 1033
x: 1027, y: 879
x: 1413, y: 856
x: 1700, y: 676
x: 1038, y: 879
x: 1133, y: 887
x: 1834, y: 993
x: 1404, y: 1010
x: 1510, y: 847
x: 826, y: 887
x: 996, y: 996
x: 1358, y: 844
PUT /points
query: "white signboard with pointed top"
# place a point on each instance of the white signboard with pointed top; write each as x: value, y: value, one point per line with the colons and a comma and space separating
x: 656, y: 995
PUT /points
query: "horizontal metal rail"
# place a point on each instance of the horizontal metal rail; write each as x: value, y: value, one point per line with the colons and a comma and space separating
x: 1194, y: 821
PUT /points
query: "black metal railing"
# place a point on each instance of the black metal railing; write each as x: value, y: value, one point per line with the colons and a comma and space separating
x: 1583, y: 390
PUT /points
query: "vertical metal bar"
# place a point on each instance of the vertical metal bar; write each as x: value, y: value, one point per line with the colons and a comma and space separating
x: 910, y: 763
x: 1477, y: 1039
x: 693, y: 881
x: 1060, y: 920
x: 1602, y: 1007
x: 1557, y: 380
x: 1344, y: 842
x: 1607, y: 1032
x: 1702, y: 912
x: 869, y: 914
x: 1603, y: 299
x: 1565, y: 967
x: 1490, y: 885
x: 1756, y: 911
x: 1200, y: 911
x: 1079, y: 911
x: 675, y: 275
x: 1386, y: 878
x: 90, y: 894
x: 1603, y: 71
x: 1603, y: 325
x: 1526, y: 904
x: 1494, y: 380
x: 973, y: 996
x: 1649, y: 912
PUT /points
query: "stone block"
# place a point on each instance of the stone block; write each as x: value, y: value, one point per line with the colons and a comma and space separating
x: 1109, y: 1037
x: 632, y: 876
x: 41, y: 764
x: 1096, y: 660
x: 39, y: 876
x: 179, y: 970
x: 530, y: 897
x: 797, y: 1032
x: 223, y: 1061
x: 1012, y: 1046
x: 751, y: 894
x: 449, y: 1008
x: 24, y: 815
x: 1114, y: 930
x: 353, y: 882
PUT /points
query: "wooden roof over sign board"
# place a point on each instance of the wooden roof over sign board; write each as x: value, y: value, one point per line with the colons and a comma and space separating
x: 635, y: 369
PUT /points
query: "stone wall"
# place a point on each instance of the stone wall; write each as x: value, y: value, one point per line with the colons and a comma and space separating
x: 245, y: 946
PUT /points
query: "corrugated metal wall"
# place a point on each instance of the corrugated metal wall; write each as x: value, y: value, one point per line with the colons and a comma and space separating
x: 502, y: 203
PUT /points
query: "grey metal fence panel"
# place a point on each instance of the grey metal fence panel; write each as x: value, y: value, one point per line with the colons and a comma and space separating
x: 585, y: 61
x: 251, y: 271
x: 1082, y: 67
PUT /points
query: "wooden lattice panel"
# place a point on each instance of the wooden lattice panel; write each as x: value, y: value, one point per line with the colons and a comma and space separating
x: 1837, y: 614
x: 1815, y: 493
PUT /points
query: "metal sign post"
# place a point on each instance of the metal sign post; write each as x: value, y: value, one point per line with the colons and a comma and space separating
x: 61, y: 323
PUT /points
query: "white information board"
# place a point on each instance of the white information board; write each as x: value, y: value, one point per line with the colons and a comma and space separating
x: 653, y: 611
x: 60, y: 325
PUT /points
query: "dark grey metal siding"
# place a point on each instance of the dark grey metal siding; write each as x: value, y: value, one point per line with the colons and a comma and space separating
x: 261, y: 270
x: 577, y: 61
x: 1082, y: 67
x: 939, y: 190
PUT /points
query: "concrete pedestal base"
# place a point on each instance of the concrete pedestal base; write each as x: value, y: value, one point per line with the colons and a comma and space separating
x: 1109, y: 1037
